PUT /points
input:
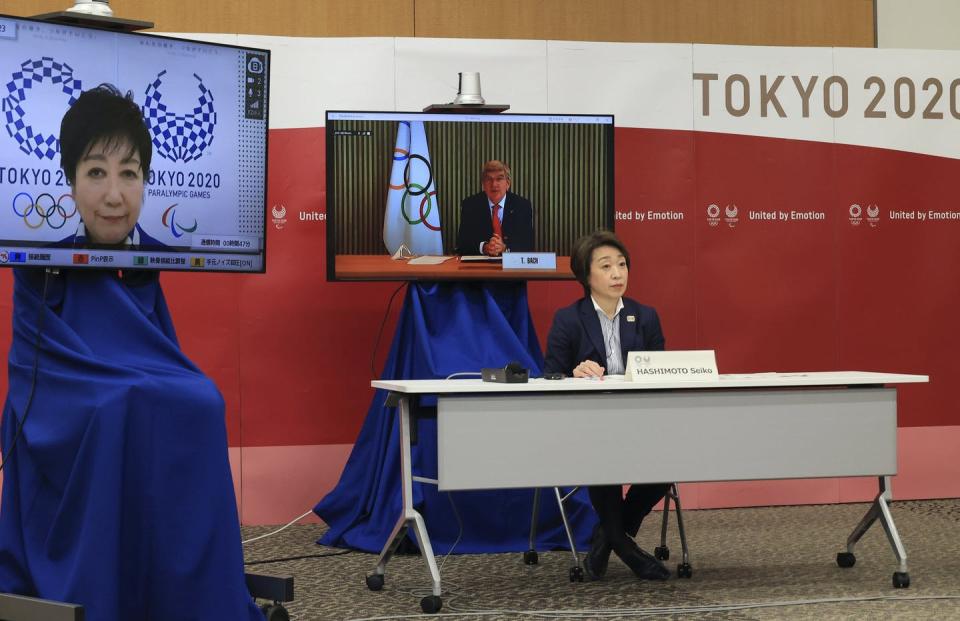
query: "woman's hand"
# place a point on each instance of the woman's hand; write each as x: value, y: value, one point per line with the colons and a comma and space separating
x: 588, y: 368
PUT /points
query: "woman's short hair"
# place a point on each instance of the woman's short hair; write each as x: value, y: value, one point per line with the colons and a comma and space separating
x: 494, y: 166
x: 582, y: 254
x: 103, y: 115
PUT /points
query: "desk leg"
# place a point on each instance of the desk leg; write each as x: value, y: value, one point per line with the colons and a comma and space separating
x: 879, y: 510
x: 408, y: 517
x: 576, y: 570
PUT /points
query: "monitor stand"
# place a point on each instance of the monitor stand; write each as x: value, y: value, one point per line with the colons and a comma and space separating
x: 71, y: 18
x: 452, y: 108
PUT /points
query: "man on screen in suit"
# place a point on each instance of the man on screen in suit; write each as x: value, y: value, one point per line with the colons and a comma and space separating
x: 495, y: 220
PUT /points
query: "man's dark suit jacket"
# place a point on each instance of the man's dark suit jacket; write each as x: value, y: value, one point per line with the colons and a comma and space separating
x: 476, y: 224
x: 576, y: 335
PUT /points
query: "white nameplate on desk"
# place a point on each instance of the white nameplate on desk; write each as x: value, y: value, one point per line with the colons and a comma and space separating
x: 672, y: 366
x: 529, y: 260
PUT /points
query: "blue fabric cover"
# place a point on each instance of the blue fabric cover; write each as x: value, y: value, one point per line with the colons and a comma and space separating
x: 118, y: 495
x: 443, y: 329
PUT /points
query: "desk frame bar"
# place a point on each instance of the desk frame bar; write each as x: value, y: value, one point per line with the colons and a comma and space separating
x: 408, y: 516
x: 880, y: 510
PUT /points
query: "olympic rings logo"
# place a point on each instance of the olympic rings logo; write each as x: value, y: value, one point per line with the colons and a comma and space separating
x: 411, y: 188
x: 36, y: 212
x: 426, y: 201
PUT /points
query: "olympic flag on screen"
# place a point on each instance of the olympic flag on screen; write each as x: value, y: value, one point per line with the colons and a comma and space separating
x: 412, y: 216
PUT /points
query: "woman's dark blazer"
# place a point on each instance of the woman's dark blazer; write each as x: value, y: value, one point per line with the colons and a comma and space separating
x: 576, y: 335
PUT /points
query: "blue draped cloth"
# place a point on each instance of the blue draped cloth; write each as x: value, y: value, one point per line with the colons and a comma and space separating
x: 118, y: 494
x: 443, y: 329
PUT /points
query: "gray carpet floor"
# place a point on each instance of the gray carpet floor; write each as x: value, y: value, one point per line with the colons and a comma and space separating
x: 761, y: 563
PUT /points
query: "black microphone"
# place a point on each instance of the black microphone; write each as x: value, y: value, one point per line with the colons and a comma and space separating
x: 513, y: 373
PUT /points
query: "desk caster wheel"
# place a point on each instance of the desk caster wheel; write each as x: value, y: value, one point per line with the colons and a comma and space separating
x: 275, y: 612
x: 375, y: 582
x: 662, y: 553
x: 431, y: 604
x: 684, y: 570
x: 901, y: 579
x: 530, y: 557
x: 846, y: 559
x: 576, y: 574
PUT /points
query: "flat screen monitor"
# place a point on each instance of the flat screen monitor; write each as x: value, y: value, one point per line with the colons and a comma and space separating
x: 205, y: 105
x: 407, y: 200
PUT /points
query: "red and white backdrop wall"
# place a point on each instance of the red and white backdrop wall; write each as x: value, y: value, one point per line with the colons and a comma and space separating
x: 792, y: 208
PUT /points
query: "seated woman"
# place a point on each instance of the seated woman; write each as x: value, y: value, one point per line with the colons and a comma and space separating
x: 592, y: 337
x: 117, y: 492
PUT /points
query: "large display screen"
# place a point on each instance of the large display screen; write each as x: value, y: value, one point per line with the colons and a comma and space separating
x: 408, y: 198
x: 205, y: 105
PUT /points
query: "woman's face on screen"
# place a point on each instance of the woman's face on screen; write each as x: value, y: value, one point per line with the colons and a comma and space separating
x: 608, y: 273
x: 108, y: 190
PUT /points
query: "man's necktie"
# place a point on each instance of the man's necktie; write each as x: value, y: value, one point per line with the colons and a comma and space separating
x: 497, y: 229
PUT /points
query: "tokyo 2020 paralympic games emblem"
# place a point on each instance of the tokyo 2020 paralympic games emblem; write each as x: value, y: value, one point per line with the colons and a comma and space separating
x: 168, y: 219
x: 14, y: 106
x: 279, y: 216
x: 179, y: 137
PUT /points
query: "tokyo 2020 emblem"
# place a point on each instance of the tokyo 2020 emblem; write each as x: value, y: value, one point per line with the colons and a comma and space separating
x: 179, y: 137
x: 41, y: 142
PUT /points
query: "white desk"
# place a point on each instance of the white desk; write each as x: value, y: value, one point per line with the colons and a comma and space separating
x: 549, y: 433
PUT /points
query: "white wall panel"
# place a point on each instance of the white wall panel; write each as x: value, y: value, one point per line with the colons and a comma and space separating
x: 312, y: 75
x: 511, y: 72
x: 918, y: 24
x: 641, y: 84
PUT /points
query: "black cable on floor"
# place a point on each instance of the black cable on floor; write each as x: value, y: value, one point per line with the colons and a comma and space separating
x: 297, y: 558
